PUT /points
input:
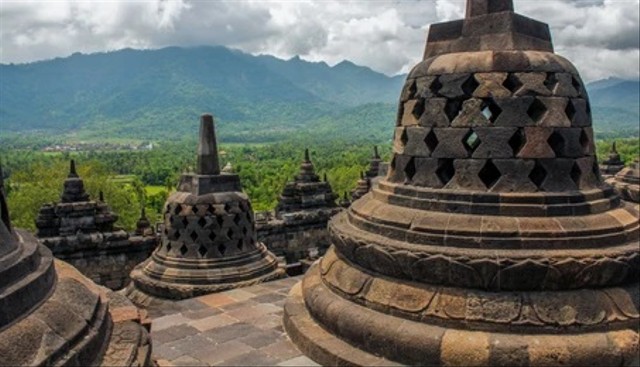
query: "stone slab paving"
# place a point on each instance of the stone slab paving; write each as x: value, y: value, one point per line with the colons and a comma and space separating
x: 240, y: 327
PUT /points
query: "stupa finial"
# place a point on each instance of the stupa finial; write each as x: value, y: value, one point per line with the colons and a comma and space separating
x: 483, y: 7
x: 324, y: 178
x: 72, y: 169
x: 306, y: 155
x: 207, y: 148
x: 376, y: 155
x: 614, y: 149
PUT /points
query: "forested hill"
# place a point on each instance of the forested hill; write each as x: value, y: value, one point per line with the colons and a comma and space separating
x: 159, y: 94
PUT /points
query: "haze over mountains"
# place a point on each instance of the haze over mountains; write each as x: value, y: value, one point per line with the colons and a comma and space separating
x: 158, y: 94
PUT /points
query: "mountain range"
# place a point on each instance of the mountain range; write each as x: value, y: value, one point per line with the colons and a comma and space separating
x: 158, y: 94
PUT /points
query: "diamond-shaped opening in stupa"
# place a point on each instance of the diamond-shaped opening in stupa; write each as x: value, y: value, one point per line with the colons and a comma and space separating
x: 431, y: 140
x: 491, y: 111
x: 512, y: 83
x: 489, y: 174
x: 470, y: 85
x: 570, y: 111
x: 202, y: 250
x: 418, y: 109
x: 435, y: 86
x: 557, y: 144
x: 410, y: 170
x: 517, y: 141
x: 193, y: 235
x: 202, y: 222
x: 576, y: 174
x: 222, y: 249
x: 452, y: 109
x: 183, y: 250
x: 538, y: 175
x: 537, y: 110
x: 551, y: 81
x: 471, y: 141
x: 446, y: 170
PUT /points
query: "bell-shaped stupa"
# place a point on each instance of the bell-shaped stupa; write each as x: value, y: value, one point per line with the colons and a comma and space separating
x: 362, y: 187
x: 209, y: 240
x: 307, y: 193
x: 627, y: 182
x: 493, y: 240
x: 50, y: 314
x: 613, y: 164
x: 298, y: 227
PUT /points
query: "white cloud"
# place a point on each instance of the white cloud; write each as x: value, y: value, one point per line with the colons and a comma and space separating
x: 600, y: 36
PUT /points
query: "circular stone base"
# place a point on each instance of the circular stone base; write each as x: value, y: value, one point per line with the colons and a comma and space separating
x: 80, y: 324
x: 143, y: 290
x: 318, y: 344
x: 410, y: 342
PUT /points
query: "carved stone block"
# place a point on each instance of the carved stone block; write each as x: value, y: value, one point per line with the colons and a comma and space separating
x: 450, y: 143
x: 434, y: 113
x: 494, y: 142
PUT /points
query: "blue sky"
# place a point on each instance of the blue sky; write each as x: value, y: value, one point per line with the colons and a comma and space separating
x: 600, y: 36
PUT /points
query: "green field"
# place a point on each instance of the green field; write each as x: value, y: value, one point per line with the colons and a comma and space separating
x: 151, y: 190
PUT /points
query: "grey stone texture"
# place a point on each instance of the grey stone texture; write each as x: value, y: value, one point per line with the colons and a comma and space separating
x: 50, y: 314
x: 298, y: 228
x: 627, y: 182
x: 209, y: 241
x: 493, y: 239
x: 81, y: 232
x: 240, y: 327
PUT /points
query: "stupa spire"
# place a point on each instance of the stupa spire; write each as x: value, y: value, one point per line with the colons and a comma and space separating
x: 306, y: 155
x: 207, y: 148
x: 72, y: 169
x: 483, y: 7
x: 73, y: 190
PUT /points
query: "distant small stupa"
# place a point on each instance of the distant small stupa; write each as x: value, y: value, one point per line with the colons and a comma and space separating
x: 613, y: 164
x: 82, y: 232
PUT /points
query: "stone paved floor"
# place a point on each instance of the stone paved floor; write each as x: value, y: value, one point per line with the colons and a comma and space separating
x: 241, y: 327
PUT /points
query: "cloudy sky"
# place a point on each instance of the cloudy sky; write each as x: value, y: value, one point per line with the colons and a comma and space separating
x: 600, y: 36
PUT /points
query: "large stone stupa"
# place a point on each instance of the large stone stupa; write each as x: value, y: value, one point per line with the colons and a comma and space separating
x: 209, y: 240
x: 493, y: 240
x: 50, y: 314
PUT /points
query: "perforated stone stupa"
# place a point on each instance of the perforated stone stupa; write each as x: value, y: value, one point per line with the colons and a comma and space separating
x: 362, y: 187
x: 493, y: 240
x: 209, y: 240
x: 50, y: 314
x: 613, y: 164
x: 299, y: 225
x: 81, y: 231
x: 627, y: 182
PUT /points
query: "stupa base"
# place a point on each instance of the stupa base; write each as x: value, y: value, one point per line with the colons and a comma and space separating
x: 333, y: 330
x: 143, y: 290
x: 80, y: 324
